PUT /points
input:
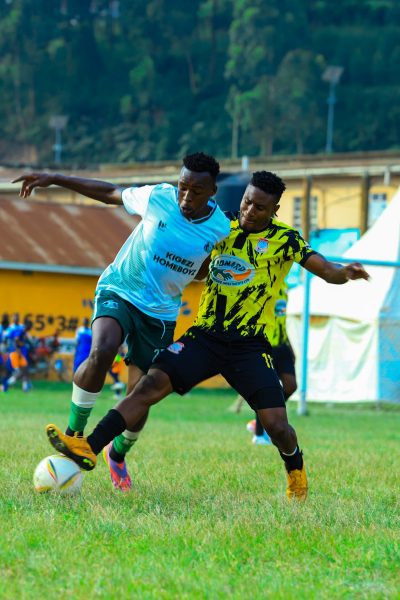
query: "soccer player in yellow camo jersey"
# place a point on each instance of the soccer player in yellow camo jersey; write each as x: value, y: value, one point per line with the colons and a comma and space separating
x: 283, y: 360
x: 230, y: 334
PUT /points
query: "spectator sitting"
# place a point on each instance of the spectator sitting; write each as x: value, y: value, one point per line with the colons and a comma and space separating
x: 54, y: 342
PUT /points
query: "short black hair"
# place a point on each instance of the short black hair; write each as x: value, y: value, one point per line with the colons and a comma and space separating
x: 268, y: 182
x: 200, y: 163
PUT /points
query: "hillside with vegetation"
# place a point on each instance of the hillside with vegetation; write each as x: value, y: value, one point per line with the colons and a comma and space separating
x: 153, y: 79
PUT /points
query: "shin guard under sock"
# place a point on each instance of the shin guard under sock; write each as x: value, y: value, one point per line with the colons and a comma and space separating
x: 107, y: 429
x: 82, y: 403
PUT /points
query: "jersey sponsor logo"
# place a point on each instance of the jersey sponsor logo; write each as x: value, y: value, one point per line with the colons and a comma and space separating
x: 176, y: 347
x: 208, y: 247
x: 110, y: 304
x: 262, y: 245
x: 176, y: 263
x: 231, y: 270
x: 162, y: 225
x: 280, y: 308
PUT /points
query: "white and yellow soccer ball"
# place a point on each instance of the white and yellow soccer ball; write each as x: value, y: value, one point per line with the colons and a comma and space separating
x: 57, y: 473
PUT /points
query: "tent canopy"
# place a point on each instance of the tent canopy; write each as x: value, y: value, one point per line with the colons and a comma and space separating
x: 362, y: 300
x: 354, y: 335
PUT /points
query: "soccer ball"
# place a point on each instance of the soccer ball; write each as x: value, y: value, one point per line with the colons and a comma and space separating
x: 57, y: 473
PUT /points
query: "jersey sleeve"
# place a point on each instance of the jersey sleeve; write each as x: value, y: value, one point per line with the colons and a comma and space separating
x: 136, y: 199
x: 302, y: 250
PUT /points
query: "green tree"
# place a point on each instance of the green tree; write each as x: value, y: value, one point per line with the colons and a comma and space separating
x: 297, y: 80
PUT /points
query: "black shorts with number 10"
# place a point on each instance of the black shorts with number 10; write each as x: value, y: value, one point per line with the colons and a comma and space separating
x: 245, y: 363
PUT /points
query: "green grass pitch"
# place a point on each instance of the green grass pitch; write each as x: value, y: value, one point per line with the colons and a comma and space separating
x: 207, y: 517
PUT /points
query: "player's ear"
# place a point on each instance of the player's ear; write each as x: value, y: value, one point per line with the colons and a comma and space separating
x: 277, y: 207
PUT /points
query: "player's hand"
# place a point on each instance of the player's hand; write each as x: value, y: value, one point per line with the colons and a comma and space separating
x: 356, y: 271
x: 31, y: 181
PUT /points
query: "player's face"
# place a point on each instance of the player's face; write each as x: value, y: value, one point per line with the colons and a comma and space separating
x: 194, y: 191
x: 256, y: 209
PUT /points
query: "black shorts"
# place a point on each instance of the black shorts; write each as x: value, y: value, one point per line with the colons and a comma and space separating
x: 283, y: 359
x: 245, y: 363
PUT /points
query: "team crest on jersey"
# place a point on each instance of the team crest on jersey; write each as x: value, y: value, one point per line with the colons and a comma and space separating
x: 110, y: 304
x: 262, y: 245
x: 208, y: 247
x: 231, y: 270
x: 176, y: 347
x: 280, y: 308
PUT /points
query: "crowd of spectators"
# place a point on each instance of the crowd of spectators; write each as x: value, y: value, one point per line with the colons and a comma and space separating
x: 23, y: 354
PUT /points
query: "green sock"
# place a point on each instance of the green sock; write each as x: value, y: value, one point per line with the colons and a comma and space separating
x: 82, y: 403
x: 78, y: 417
x: 122, y: 444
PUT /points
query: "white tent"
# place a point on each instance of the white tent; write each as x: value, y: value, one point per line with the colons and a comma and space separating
x: 354, y: 335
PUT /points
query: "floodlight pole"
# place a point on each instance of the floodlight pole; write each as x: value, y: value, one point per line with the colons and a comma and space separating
x: 235, y: 136
x: 58, y: 122
x: 331, y: 75
x: 57, y: 146
x: 331, y: 112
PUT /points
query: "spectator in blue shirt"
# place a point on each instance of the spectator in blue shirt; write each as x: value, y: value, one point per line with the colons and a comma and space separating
x: 14, y: 332
x: 83, y: 338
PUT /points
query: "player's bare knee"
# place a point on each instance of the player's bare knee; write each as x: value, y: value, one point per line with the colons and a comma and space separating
x: 277, y: 428
x: 277, y: 432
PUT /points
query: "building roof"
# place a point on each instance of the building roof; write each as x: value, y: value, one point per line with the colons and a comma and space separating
x: 349, y: 164
x: 61, y: 237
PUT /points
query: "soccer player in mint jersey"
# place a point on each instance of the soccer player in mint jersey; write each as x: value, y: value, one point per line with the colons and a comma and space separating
x: 230, y: 334
x: 138, y: 296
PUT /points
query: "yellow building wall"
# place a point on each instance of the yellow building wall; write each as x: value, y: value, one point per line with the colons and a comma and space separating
x: 54, y: 301
x: 339, y: 203
x: 51, y: 301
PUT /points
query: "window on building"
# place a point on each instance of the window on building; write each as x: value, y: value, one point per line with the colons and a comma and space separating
x: 297, y: 200
x: 297, y: 212
x: 377, y: 204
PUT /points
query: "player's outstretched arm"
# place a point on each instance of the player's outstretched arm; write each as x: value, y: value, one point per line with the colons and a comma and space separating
x: 103, y: 191
x: 334, y: 272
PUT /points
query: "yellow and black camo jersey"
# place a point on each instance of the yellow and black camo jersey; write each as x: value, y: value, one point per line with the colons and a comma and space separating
x: 278, y: 335
x: 247, y: 271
